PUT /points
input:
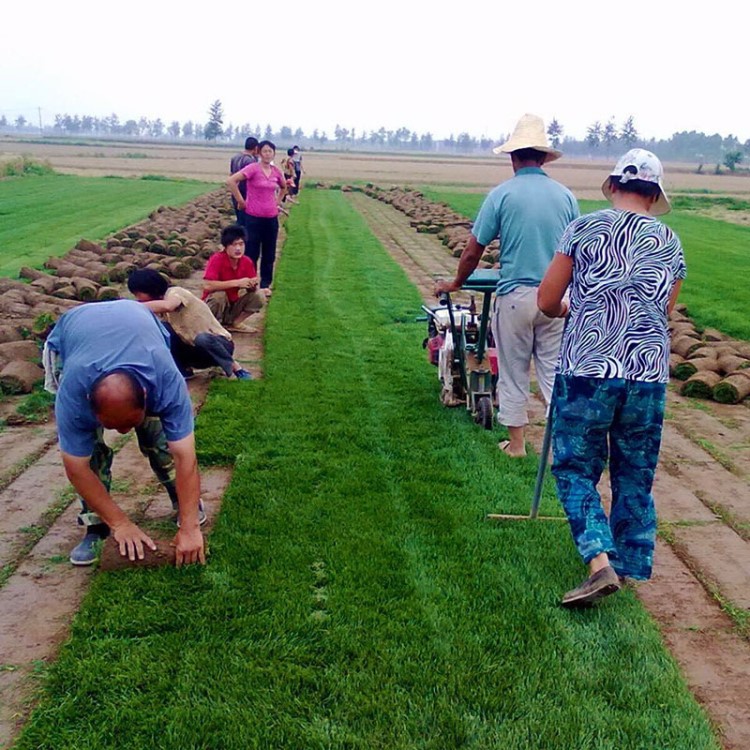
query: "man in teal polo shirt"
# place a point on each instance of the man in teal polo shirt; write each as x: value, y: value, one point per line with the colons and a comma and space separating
x: 528, y: 214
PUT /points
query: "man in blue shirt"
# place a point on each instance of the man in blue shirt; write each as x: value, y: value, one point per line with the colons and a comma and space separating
x: 528, y: 214
x: 118, y: 373
x: 238, y: 162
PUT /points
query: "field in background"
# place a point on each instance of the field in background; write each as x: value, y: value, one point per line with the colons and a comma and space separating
x: 44, y: 216
x: 716, y: 252
x: 211, y: 164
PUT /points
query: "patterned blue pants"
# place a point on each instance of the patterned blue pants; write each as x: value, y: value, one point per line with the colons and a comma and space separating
x: 596, y: 420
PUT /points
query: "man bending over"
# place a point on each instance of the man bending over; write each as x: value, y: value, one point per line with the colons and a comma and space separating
x: 197, y: 338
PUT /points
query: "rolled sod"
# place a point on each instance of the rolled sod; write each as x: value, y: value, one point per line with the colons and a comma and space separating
x: 733, y: 388
x: 700, y: 385
x: 689, y: 367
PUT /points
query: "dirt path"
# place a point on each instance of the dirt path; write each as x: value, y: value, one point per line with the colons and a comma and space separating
x: 700, y: 593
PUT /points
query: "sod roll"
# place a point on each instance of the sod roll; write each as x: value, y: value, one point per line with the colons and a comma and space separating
x: 20, y: 376
x: 674, y: 360
x: 733, y: 389
x: 700, y: 385
x: 685, y: 345
x: 729, y: 363
x: 689, y: 367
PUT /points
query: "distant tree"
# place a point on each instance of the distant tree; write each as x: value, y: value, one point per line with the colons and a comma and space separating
x: 130, y: 128
x: 465, y: 142
x: 285, y: 134
x: 113, y: 123
x: 323, y: 138
x: 315, y: 135
x: 20, y: 122
x: 628, y: 133
x: 732, y: 159
x: 87, y: 124
x: 198, y: 130
x: 143, y: 126
x: 213, y: 127
x: 426, y: 142
x: 609, y: 135
x: 157, y: 128
x: 268, y: 133
x: 414, y: 140
x: 174, y: 129
x: 555, y: 132
x: 4, y: 121
x: 298, y: 135
x: 594, y: 135
x: 187, y: 129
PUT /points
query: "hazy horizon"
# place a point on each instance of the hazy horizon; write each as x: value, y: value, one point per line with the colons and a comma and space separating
x: 475, y: 69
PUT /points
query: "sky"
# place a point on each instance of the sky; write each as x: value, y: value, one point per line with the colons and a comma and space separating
x: 445, y: 68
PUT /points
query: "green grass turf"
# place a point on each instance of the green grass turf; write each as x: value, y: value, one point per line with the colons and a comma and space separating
x: 356, y: 597
x: 716, y: 253
x: 44, y: 216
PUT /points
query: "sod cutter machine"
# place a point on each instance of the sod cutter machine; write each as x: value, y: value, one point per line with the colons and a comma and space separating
x: 459, y: 344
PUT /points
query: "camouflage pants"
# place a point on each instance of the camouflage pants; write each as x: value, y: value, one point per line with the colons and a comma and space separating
x: 153, y: 445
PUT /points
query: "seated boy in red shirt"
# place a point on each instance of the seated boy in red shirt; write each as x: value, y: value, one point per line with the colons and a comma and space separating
x: 230, y: 282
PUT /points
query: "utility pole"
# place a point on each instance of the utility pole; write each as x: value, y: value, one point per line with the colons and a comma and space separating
x: 41, y: 129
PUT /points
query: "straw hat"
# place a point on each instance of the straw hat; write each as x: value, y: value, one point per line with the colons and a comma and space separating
x: 529, y: 133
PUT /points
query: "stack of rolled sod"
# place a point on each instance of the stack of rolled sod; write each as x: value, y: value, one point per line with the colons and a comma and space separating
x: 710, y: 364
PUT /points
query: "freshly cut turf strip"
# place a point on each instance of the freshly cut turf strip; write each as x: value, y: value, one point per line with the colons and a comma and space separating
x: 355, y: 596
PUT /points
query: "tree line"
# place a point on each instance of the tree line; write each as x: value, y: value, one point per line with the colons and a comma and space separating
x: 603, y: 138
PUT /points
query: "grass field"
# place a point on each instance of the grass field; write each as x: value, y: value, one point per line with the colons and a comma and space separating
x: 44, y: 216
x: 716, y: 253
x: 355, y: 596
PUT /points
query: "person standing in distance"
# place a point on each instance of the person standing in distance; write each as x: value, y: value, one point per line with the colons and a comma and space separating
x: 265, y: 189
x: 240, y: 161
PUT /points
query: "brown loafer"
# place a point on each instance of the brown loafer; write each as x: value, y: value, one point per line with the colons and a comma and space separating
x: 603, y: 583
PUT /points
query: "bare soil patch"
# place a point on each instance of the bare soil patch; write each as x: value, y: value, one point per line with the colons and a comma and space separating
x: 702, y: 571
x: 211, y: 163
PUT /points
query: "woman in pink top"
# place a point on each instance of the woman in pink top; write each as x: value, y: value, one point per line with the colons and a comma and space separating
x: 266, y: 188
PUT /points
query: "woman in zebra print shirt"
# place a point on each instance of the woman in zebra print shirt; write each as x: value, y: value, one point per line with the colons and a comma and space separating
x: 624, y: 269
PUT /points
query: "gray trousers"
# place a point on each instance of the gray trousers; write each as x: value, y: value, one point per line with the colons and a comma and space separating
x: 521, y: 333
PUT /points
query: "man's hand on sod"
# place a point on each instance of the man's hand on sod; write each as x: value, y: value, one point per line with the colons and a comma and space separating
x: 189, y: 546
x: 130, y: 539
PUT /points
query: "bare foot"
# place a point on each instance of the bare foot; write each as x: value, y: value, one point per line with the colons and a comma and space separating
x: 267, y: 291
x: 505, y: 447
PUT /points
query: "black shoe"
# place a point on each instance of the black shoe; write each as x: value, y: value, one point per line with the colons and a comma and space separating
x: 603, y: 583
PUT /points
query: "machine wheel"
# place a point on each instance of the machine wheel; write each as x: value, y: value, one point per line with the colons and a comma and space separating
x: 483, y: 415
